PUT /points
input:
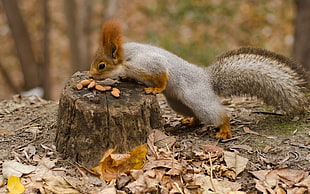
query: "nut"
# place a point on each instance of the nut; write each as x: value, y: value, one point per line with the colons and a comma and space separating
x: 100, y: 87
x: 107, y: 87
x: 91, y: 85
x: 115, y: 92
x: 85, y: 82
x: 79, y: 86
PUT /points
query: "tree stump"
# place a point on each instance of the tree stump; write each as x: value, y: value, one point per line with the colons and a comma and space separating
x: 90, y: 122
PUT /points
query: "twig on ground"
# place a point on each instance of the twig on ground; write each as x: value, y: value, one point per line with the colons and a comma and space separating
x: 211, y: 173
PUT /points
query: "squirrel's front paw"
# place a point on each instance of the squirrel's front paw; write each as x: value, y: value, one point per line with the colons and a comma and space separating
x: 152, y: 90
x: 190, y: 121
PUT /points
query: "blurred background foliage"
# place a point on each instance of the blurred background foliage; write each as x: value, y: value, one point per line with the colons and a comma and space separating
x: 196, y: 30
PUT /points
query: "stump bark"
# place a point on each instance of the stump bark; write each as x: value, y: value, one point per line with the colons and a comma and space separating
x: 90, y: 122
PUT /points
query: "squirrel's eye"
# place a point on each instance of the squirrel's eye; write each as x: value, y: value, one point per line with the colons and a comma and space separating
x: 101, y: 66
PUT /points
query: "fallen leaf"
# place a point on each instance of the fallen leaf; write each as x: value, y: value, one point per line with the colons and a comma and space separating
x: 163, y: 140
x: 245, y: 147
x: 248, y: 130
x: 139, y: 185
x: 260, y: 174
x: 166, y: 163
x: 5, y: 132
x: 304, y: 183
x: 213, y: 186
x: 109, y: 190
x: 292, y: 181
x: 122, y: 181
x: 57, y: 184
x: 233, y: 160
x: 212, y: 148
x: 112, y: 165
x: 138, y: 156
x: 14, y: 185
x: 267, y: 148
x: 1, y: 181
x: 215, y: 151
x: 12, y: 168
x: 30, y: 150
x: 291, y: 176
x: 43, y: 169
x: 175, y: 170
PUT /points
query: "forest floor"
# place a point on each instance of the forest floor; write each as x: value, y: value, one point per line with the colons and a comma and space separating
x: 273, y: 143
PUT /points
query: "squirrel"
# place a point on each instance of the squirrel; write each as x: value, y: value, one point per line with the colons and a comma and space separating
x: 194, y: 91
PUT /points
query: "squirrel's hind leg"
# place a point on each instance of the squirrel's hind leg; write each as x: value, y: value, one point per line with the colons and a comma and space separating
x: 224, y: 129
x: 208, y: 109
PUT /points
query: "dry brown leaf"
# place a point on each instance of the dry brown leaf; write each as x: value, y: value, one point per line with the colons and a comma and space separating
x: 175, y: 170
x: 304, y: 183
x: 297, y: 190
x: 231, y: 175
x: 112, y: 165
x: 57, y: 184
x: 248, y: 130
x: 109, y: 190
x: 245, y: 147
x: 267, y: 148
x: 215, y: 186
x: 43, y: 169
x: 152, y: 178
x: 215, y: 151
x: 291, y: 176
x: 139, y: 185
x: 233, y: 160
x: 295, y: 181
x: 5, y: 132
x: 166, y: 163
x: 162, y: 140
x: 260, y: 174
x: 13, y: 168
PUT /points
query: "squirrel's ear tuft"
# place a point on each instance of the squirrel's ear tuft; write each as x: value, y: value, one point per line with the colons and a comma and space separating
x: 111, y: 39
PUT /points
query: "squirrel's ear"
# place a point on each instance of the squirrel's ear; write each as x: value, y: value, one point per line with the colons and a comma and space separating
x: 111, y: 39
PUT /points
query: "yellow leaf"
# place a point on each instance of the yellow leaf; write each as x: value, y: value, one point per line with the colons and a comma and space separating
x: 138, y: 156
x: 15, y: 186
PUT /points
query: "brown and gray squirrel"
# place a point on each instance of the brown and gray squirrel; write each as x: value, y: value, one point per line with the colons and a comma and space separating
x: 194, y: 91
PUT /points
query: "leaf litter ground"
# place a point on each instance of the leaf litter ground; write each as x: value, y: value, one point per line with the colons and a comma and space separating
x: 277, y: 148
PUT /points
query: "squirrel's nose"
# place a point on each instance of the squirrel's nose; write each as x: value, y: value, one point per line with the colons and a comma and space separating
x: 90, y: 75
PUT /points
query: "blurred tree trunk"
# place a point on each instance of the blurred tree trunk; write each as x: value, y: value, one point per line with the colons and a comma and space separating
x: 301, y: 50
x: 45, y: 69
x: 111, y: 9
x: 78, y: 16
x: 8, y: 79
x: 22, y: 43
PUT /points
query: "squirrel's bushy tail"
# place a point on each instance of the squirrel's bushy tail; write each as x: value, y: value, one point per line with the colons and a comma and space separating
x: 261, y: 73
